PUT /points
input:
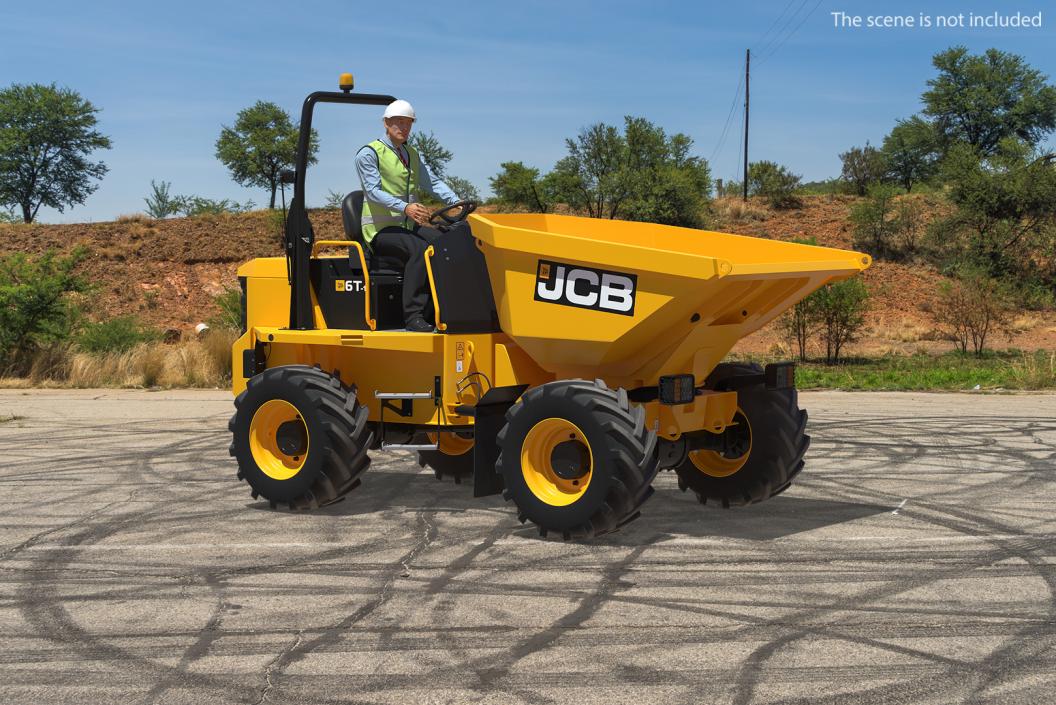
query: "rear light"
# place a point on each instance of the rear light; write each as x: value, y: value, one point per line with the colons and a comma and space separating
x: 677, y: 389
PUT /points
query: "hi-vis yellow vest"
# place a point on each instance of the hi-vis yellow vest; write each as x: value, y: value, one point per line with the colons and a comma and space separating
x: 399, y: 180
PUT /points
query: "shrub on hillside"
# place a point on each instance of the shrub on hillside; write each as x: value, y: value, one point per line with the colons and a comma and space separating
x: 199, y: 205
x: 775, y: 183
x: 35, y: 306
x: 840, y: 311
x: 875, y: 221
x: 161, y: 203
x: 971, y: 308
x: 118, y: 334
x: 229, y: 303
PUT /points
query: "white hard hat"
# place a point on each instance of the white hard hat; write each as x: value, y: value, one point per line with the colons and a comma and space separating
x: 399, y: 108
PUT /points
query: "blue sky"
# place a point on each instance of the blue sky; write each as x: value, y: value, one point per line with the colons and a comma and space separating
x: 492, y: 80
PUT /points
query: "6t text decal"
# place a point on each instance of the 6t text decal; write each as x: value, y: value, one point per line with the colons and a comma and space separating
x: 584, y: 287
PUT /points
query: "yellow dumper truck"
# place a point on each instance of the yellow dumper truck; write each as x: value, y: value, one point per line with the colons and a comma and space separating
x: 573, y: 358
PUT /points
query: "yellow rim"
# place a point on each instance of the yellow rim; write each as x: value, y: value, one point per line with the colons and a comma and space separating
x: 715, y: 464
x: 537, y: 467
x: 452, y: 443
x: 264, y: 444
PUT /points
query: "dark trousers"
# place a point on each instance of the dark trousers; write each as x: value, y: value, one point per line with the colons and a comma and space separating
x: 409, y: 246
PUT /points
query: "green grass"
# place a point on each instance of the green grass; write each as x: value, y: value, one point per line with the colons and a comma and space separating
x: 949, y: 372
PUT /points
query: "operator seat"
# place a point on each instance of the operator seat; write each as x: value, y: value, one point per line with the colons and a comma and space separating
x: 351, y: 214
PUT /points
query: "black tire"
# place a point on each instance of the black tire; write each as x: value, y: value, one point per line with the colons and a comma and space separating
x: 337, y: 436
x: 623, y: 452
x: 778, y: 444
x: 457, y: 467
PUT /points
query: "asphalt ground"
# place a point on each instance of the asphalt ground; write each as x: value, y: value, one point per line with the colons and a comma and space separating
x: 913, y: 562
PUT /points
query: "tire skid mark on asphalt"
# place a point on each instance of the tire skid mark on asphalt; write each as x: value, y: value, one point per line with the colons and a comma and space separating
x: 1022, y: 548
x: 937, y: 673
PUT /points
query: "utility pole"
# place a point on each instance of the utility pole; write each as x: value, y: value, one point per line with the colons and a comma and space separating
x: 747, y: 67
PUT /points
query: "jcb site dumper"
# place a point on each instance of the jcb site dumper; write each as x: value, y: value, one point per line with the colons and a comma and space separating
x: 573, y: 358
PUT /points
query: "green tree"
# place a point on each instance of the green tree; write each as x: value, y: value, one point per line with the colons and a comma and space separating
x: 432, y: 152
x: 262, y: 144
x: 984, y: 99
x: 463, y: 188
x: 642, y: 174
x: 519, y: 186
x: 35, y: 309
x: 971, y: 308
x: 161, y: 203
x: 911, y: 152
x: 840, y: 311
x: 1005, y: 207
x: 801, y: 321
x: 875, y: 221
x: 775, y: 183
x: 47, y: 135
x: 863, y: 167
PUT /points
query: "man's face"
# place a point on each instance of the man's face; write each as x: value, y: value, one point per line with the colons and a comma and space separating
x: 398, y: 128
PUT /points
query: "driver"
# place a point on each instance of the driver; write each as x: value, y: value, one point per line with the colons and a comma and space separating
x: 394, y: 223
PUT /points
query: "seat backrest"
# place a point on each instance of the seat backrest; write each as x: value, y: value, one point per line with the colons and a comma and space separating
x: 351, y: 216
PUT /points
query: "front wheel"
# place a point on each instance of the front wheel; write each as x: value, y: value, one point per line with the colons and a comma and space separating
x: 772, y: 440
x: 576, y: 458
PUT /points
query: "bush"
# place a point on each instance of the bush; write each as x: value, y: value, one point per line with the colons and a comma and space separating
x: 119, y: 334
x: 840, y: 310
x: 35, y: 309
x: 230, y: 315
x: 775, y: 183
x: 801, y: 321
x: 162, y: 204
x: 199, y: 205
x: 971, y: 308
x: 463, y: 188
x: 863, y: 168
x: 333, y: 199
x: 875, y: 221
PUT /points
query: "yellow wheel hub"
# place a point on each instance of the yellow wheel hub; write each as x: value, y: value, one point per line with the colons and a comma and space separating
x: 452, y: 443
x: 714, y: 463
x: 264, y: 441
x: 556, y: 461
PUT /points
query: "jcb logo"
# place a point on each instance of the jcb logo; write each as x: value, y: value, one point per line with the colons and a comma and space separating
x: 583, y: 287
x: 348, y: 285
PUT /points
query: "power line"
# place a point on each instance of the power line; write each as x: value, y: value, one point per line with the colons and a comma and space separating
x: 784, y: 26
x: 774, y: 23
x: 794, y: 30
x: 726, y: 127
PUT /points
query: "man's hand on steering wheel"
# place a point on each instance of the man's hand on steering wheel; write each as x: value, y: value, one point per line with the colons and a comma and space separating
x: 441, y: 219
x: 418, y: 213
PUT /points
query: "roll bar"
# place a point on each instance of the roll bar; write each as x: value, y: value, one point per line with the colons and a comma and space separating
x: 298, y: 237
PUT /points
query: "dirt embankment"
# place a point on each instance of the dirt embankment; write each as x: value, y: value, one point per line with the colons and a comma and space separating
x: 168, y: 272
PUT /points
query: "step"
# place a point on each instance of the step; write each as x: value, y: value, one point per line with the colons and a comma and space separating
x: 410, y: 446
x: 403, y: 395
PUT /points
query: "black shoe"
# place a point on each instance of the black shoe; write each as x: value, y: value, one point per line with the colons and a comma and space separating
x: 418, y: 324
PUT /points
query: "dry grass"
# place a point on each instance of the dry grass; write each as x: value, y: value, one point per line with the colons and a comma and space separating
x: 134, y: 218
x: 1035, y: 370
x: 906, y: 330
x: 733, y: 210
x: 190, y: 363
x: 1024, y: 323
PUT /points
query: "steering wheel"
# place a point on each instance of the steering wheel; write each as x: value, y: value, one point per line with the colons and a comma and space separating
x: 440, y: 216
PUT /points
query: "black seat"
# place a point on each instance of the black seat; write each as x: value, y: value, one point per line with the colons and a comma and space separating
x: 351, y: 212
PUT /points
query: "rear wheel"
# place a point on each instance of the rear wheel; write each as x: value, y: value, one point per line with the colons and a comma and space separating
x: 771, y: 442
x: 453, y: 459
x: 299, y: 436
x: 576, y: 458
